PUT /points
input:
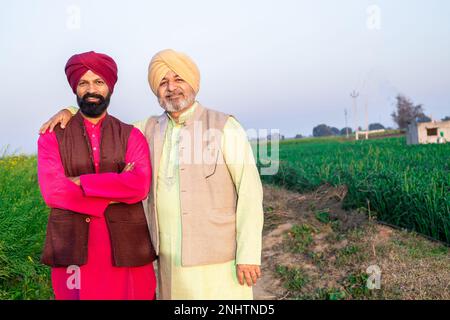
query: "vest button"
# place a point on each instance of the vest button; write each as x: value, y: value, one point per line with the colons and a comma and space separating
x: 88, y: 220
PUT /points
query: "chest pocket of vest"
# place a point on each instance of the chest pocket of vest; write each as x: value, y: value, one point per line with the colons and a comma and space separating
x: 210, y: 157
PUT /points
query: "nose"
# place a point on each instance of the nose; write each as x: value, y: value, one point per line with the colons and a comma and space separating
x: 172, y: 86
x: 92, y: 88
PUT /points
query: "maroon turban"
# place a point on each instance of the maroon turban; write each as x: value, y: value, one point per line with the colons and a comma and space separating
x: 98, y: 63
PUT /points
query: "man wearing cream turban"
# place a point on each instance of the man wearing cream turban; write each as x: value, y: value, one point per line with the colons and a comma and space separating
x: 204, y: 208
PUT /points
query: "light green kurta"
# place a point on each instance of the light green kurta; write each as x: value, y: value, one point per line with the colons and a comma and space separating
x: 217, y: 281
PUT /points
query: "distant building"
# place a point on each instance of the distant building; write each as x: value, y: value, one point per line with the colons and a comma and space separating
x: 428, y: 132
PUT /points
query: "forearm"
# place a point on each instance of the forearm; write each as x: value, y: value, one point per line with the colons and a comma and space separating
x: 127, y: 187
x: 249, y: 220
x: 57, y: 190
x: 249, y: 211
x: 60, y: 194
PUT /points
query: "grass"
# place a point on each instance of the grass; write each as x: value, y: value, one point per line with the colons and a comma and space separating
x: 356, y: 285
x: 323, y: 216
x: 329, y: 294
x: 419, y: 250
x: 300, y: 237
x: 23, y: 218
x: 294, y: 278
x: 406, y: 186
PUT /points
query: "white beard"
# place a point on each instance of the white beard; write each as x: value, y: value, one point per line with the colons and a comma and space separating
x: 176, y: 107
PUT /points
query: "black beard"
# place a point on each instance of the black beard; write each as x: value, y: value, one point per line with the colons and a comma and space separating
x: 93, y: 109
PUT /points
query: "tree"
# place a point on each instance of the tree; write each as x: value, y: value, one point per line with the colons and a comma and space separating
x: 344, y: 131
x: 376, y: 126
x: 298, y: 136
x: 322, y: 130
x: 447, y: 118
x: 406, y: 112
x: 335, y: 131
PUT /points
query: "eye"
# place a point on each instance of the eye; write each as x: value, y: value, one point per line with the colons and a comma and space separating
x: 163, y: 83
x: 179, y: 80
x: 82, y: 84
x: 100, y: 82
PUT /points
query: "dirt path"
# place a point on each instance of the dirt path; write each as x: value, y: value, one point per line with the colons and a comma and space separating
x: 313, y: 249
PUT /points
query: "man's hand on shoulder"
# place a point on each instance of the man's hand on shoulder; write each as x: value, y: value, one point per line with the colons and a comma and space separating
x: 62, y: 117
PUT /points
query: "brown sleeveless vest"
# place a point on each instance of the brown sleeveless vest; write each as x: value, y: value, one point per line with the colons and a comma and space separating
x: 66, y: 241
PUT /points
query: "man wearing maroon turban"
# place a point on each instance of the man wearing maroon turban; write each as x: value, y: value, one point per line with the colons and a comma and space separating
x: 94, y: 175
x: 205, y: 203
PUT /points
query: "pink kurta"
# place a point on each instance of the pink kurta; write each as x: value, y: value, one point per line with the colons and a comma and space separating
x: 98, y: 278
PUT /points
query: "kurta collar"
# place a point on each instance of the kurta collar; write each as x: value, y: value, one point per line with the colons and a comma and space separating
x: 83, y: 122
x: 185, y: 115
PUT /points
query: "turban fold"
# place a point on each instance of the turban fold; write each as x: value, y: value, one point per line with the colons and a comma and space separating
x: 178, y: 62
x: 98, y: 63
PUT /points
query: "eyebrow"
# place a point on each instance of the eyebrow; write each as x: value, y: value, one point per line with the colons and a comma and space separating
x: 97, y: 79
x: 176, y: 77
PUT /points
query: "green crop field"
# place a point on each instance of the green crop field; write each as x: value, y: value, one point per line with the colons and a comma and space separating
x: 23, y: 219
x: 407, y: 186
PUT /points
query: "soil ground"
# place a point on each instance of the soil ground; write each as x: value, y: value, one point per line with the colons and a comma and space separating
x: 313, y: 249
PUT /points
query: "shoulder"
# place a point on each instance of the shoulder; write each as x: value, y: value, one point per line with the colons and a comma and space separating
x: 233, y: 123
x: 214, y: 116
x: 151, y: 121
x: 136, y: 134
x: 47, y: 135
x: 233, y: 130
x: 137, y: 141
x: 214, y: 112
x: 153, y: 118
x: 47, y: 139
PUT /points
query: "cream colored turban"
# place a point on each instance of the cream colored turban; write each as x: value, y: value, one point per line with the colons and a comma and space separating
x: 178, y: 62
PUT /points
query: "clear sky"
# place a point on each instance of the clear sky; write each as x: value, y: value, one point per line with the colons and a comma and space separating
x: 286, y: 64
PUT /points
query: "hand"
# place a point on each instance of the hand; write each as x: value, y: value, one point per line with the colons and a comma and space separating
x: 62, y: 117
x: 128, y: 167
x: 248, y: 272
x: 75, y: 180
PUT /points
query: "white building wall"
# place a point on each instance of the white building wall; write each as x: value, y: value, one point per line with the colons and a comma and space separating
x: 418, y: 132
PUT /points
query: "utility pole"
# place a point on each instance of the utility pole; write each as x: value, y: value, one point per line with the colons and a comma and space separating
x: 367, y: 120
x: 355, y: 95
x: 346, y: 123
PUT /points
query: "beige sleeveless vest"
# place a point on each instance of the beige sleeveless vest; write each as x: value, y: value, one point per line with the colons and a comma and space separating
x: 207, y: 193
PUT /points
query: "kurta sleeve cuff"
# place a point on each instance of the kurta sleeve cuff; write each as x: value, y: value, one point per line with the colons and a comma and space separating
x: 73, y: 110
